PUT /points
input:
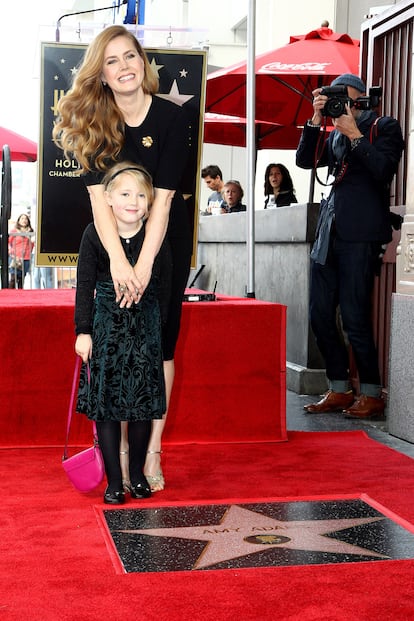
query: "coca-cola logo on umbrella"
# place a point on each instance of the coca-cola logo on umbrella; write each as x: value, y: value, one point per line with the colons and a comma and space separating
x: 310, y: 67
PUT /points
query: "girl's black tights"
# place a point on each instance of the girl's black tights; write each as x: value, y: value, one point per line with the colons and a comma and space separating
x: 109, y: 436
x: 138, y: 438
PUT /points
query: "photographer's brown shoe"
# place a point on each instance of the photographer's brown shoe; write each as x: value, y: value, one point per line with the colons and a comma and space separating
x: 366, y: 407
x: 331, y: 402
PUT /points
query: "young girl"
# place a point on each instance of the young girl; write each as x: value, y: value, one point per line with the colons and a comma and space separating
x: 122, y: 378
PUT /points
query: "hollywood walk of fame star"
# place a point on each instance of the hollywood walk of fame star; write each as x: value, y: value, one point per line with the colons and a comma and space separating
x: 156, y: 68
x: 175, y: 96
x: 242, y: 532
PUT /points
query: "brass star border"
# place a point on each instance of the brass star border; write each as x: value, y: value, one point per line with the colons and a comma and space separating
x: 255, y: 534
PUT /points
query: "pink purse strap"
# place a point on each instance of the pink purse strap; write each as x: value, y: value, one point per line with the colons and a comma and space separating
x: 71, y: 404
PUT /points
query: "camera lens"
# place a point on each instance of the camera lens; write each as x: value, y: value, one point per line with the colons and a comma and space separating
x: 334, y: 107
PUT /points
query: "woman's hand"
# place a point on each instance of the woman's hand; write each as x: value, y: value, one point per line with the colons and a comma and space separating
x: 128, y: 287
x: 143, y: 271
x: 83, y: 346
x: 155, y: 231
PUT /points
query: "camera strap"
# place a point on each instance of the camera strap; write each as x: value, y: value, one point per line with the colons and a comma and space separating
x: 318, y: 153
x: 373, y: 133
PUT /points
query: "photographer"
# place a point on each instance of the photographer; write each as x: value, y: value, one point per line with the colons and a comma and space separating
x: 362, y: 155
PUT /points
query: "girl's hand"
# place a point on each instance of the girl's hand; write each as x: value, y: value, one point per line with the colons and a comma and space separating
x: 83, y: 346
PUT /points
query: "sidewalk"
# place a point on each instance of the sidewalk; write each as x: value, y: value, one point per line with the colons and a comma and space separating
x: 298, y: 420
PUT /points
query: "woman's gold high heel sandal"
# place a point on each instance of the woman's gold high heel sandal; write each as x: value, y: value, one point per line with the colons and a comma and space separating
x: 156, y: 481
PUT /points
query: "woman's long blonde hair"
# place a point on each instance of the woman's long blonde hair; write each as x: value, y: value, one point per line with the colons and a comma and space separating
x: 90, y: 125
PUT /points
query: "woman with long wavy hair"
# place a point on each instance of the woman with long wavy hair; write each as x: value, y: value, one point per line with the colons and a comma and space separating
x: 111, y: 114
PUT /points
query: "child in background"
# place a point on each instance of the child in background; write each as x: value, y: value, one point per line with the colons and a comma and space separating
x: 122, y: 377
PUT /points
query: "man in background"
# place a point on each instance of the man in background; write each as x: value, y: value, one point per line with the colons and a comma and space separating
x: 213, y: 178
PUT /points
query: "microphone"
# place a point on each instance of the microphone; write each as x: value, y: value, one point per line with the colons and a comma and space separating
x: 191, y: 285
x: 104, y: 8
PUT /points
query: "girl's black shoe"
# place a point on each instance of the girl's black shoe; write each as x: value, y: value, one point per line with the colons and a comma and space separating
x: 114, y: 498
x: 141, y: 490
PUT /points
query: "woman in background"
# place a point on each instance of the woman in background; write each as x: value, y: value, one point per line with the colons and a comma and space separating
x: 278, y: 187
x: 20, y: 250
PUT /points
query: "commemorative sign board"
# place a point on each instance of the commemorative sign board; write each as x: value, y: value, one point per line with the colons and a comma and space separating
x: 63, y: 201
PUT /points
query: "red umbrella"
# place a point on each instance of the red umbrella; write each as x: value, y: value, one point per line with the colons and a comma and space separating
x: 21, y: 149
x: 285, y: 77
x: 231, y: 130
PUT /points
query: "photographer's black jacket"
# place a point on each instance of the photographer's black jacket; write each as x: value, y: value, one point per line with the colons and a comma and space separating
x: 362, y: 196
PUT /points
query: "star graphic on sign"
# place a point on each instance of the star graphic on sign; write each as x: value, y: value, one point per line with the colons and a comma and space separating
x: 174, y: 95
x: 74, y: 70
x: 242, y: 532
x: 183, y: 73
x: 62, y: 61
x: 156, y: 67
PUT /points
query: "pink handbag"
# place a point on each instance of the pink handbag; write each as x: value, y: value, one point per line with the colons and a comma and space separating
x: 85, y: 470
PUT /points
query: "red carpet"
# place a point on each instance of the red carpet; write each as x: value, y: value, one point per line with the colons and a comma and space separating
x: 56, y: 567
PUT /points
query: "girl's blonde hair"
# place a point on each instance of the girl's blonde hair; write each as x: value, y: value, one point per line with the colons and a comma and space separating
x: 90, y: 125
x: 139, y: 173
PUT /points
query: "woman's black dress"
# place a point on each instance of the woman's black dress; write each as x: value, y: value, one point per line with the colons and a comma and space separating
x: 161, y: 145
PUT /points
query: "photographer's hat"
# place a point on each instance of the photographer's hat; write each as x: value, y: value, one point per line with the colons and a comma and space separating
x: 349, y: 79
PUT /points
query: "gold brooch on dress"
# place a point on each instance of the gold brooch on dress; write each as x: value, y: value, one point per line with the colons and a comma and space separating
x: 147, y: 141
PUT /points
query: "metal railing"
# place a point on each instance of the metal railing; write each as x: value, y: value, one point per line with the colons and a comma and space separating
x: 25, y: 274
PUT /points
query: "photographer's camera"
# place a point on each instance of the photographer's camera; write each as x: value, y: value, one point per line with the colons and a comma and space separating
x: 337, y: 100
